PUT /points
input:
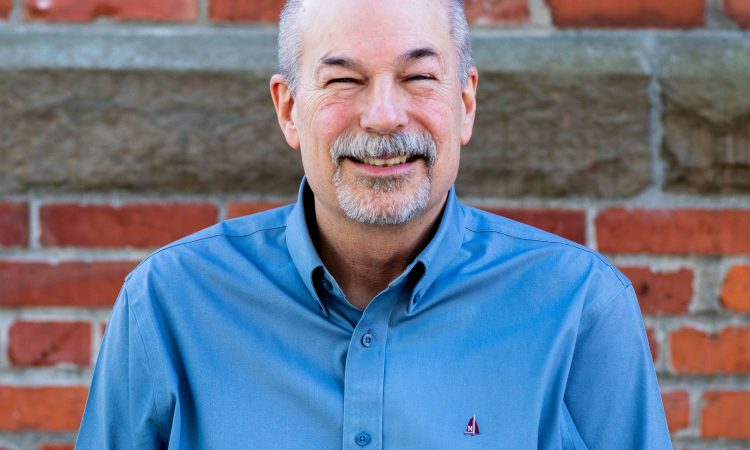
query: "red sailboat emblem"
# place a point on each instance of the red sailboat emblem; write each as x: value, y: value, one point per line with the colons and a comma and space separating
x: 472, y: 428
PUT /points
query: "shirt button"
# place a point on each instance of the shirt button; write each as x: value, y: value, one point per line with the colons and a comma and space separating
x: 362, y: 439
x: 326, y: 284
x: 367, y: 340
x: 417, y: 296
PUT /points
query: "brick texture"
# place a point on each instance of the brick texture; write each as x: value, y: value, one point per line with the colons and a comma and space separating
x: 52, y: 409
x: 726, y: 414
x: 661, y: 292
x: 696, y: 352
x: 56, y: 447
x: 135, y: 225
x: 246, y: 10
x: 664, y: 231
x: 14, y: 224
x: 88, y: 285
x: 653, y: 343
x: 49, y: 343
x: 88, y: 10
x: 497, y: 11
x: 677, y: 409
x: 735, y: 293
x: 238, y: 209
x: 570, y: 224
x: 633, y: 14
x: 739, y: 11
x: 5, y: 6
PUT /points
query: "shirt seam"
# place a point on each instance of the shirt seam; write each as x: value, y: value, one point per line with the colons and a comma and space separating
x: 162, y: 427
x: 599, y: 306
x: 198, y: 239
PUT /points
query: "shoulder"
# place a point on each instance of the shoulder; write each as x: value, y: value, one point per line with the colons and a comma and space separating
x: 540, y: 254
x: 220, y: 241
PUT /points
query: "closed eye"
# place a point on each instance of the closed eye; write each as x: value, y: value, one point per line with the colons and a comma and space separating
x: 421, y: 76
x: 341, y: 80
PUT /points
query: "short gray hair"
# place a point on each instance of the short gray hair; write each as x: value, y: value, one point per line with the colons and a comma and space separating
x: 290, y: 40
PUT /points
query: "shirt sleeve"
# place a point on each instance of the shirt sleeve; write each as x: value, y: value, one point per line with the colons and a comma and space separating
x: 612, y: 394
x: 120, y: 411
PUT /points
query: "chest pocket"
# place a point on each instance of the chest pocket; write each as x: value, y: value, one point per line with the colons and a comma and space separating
x: 570, y: 438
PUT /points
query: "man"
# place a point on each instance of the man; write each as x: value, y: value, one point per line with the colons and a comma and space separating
x: 376, y: 312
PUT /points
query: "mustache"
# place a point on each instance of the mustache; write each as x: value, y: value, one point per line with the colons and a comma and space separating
x: 364, y: 145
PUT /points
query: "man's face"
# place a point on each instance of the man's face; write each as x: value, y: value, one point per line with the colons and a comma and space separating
x: 379, y: 113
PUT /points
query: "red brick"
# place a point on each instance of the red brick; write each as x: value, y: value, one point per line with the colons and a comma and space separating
x: 239, y: 209
x: 497, y: 11
x: 14, y: 223
x: 653, y: 343
x: 678, y: 231
x: 726, y: 414
x: 662, y: 292
x: 5, y: 6
x: 677, y: 409
x: 246, y: 10
x: 739, y: 11
x: 700, y: 353
x: 735, y: 294
x: 134, y: 225
x: 88, y: 285
x: 88, y: 10
x: 56, y: 447
x: 631, y: 14
x: 40, y: 344
x: 52, y: 409
x: 570, y: 224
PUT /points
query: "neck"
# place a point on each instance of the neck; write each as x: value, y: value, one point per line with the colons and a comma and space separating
x: 363, y: 258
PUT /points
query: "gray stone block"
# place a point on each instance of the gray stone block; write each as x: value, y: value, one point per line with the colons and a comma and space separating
x: 706, y: 112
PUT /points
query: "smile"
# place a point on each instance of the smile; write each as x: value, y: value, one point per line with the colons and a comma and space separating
x: 385, y: 162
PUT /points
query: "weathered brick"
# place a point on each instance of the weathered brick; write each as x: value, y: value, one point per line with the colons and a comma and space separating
x: 238, y: 209
x: 5, y: 6
x: 677, y: 409
x: 570, y: 224
x: 40, y: 344
x: 705, y: 85
x: 246, y: 10
x: 52, y: 409
x: 696, y: 352
x: 735, y: 293
x: 661, y: 292
x: 497, y: 11
x: 616, y: 13
x: 88, y: 10
x: 134, y: 225
x: 78, y: 284
x: 675, y: 231
x: 56, y: 447
x: 653, y: 343
x: 739, y: 11
x: 726, y: 414
x: 14, y: 224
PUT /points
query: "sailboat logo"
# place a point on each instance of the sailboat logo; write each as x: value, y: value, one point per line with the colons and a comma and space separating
x: 472, y: 428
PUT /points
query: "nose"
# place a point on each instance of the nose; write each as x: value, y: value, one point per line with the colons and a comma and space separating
x: 384, y: 111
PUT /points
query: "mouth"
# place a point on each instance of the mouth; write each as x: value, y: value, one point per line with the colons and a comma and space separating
x: 385, y: 161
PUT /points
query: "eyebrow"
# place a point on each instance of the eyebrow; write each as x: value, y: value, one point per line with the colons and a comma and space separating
x: 408, y: 57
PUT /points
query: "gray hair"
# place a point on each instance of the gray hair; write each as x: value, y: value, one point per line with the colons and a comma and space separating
x: 290, y: 40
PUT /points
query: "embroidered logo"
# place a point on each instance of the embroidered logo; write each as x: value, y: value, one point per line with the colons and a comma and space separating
x: 472, y: 428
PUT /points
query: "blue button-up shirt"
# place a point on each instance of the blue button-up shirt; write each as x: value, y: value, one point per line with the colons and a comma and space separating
x: 497, y: 336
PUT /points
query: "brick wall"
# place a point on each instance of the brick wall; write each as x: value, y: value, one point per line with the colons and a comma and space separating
x: 621, y: 125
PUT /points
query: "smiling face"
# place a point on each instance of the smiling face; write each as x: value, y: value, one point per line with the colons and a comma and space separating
x: 379, y: 113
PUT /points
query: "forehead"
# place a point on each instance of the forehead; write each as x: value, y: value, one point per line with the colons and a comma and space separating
x: 373, y: 30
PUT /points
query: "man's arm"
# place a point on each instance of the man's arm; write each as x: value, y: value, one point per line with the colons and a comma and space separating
x: 120, y: 411
x: 612, y: 393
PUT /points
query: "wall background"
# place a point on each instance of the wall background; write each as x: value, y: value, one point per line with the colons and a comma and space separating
x: 125, y: 124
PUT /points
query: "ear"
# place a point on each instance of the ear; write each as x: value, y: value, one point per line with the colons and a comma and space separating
x: 283, y: 101
x: 469, y: 97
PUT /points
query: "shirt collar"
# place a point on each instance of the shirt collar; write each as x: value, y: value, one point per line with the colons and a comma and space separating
x: 434, y: 258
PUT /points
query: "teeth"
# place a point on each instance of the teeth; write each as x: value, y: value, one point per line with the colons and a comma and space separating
x: 385, y: 162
